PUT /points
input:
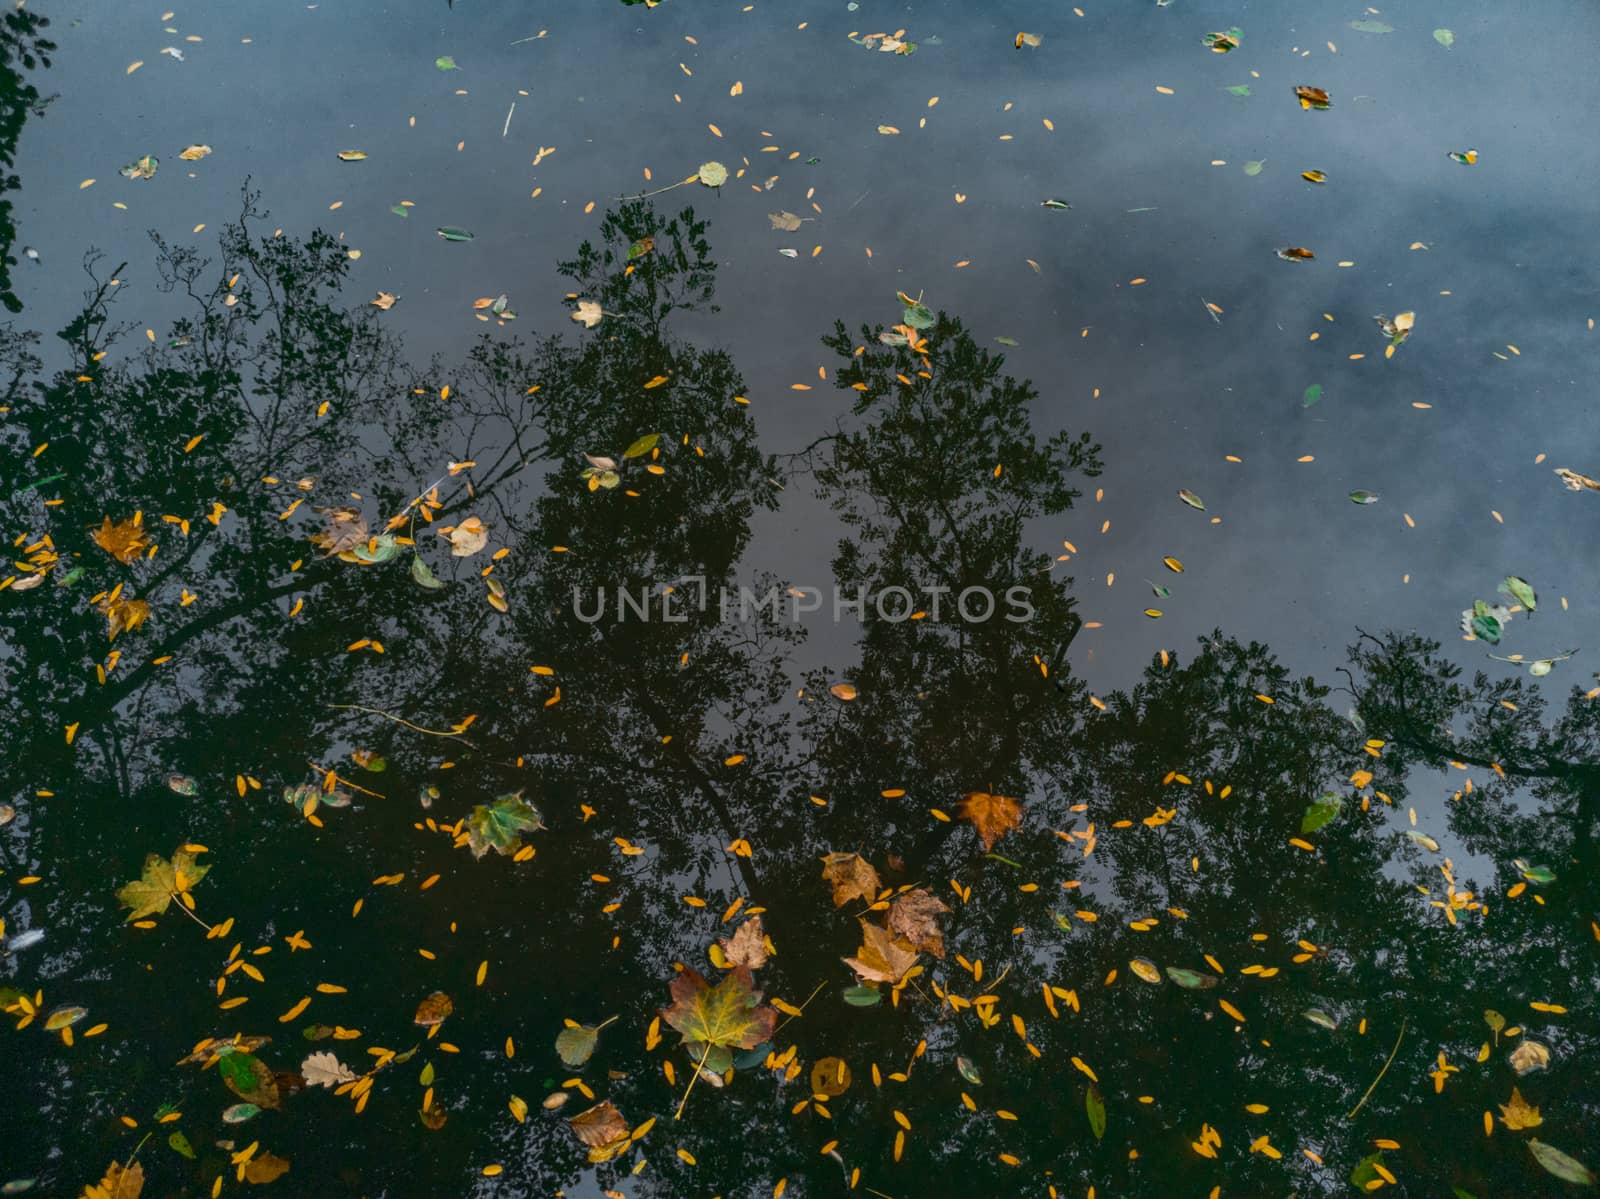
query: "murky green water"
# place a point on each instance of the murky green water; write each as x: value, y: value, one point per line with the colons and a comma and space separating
x: 1177, y: 845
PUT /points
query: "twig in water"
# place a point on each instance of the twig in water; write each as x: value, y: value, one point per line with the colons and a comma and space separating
x: 399, y: 720
x: 509, y: 111
x: 1382, y: 1072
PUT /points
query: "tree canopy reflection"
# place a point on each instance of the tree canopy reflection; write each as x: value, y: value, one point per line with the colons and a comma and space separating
x: 1147, y: 942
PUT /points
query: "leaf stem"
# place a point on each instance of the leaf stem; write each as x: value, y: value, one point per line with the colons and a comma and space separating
x: 1382, y: 1072
x: 184, y: 908
x: 692, y: 1079
x: 603, y: 1023
x: 398, y: 720
x: 659, y: 190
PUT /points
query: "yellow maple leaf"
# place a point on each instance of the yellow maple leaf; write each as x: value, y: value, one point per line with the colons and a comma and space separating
x: 1517, y: 1113
x: 993, y: 815
x: 126, y: 542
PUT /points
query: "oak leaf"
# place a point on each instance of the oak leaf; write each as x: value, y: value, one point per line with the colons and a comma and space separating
x: 325, y: 1070
x: 852, y: 877
x: 728, y: 1014
x: 588, y: 313
x: 993, y: 815
x: 747, y: 946
x: 126, y: 542
x: 915, y: 916
x: 882, y: 957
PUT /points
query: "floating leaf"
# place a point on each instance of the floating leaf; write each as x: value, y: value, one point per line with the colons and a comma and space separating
x: 194, y: 153
x: 1363, y: 497
x: 1254, y: 166
x: 1191, y: 980
x: 1518, y: 1114
x: 1323, y: 810
x: 1465, y: 158
x: 642, y: 446
x: 641, y: 247
x: 451, y: 233
x: 466, y: 538
x: 265, y: 1167
x: 1296, y: 254
x: 1032, y: 40
x: 852, y: 877
x: 830, y: 1077
x: 914, y: 916
x: 1095, y: 1106
x: 352, y: 155
x: 248, y: 1077
x: 143, y: 167
x: 859, y: 996
x: 500, y: 826
x: 1314, y: 176
x: 1423, y: 840
x: 435, y: 1009
x: 126, y: 541
x: 1370, y: 26
x: 588, y: 313
x: 119, y: 1183
x: 1239, y: 89
x: 1312, y: 396
x: 180, y: 1144
x: 787, y: 221
x: 422, y: 574
x: 713, y: 174
x: 577, y: 1044
x: 445, y: 63
x: 1312, y: 97
x: 1444, y: 37
x: 1568, y: 1169
x: 1058, y: 205
x: 882, y: 957
x: 1191, y: 499
x: 1008, y: 341
x: 325, y: 1070
x: 968, y: 1071
x: 1147, y: 970
x: 152, y: 893
x: 727, y: 1015
x: 919, y: 317
x: 992, y: 815
x: 1521, y: 591
x: 1537, y: 875
x: 1529, y: 1055
x: 1321, y: 1018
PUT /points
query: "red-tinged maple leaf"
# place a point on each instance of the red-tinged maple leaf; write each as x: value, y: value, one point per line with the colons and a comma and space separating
x: 728, y: 1014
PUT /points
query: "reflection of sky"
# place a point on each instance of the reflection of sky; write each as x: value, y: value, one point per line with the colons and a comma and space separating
x: 1292, y: 562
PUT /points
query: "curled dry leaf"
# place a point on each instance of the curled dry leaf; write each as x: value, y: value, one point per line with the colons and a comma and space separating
x: 1296, y: 254
x: 346, y: 530
x: 787, y: 221
x: 1575, y: 481
x: 915, y: 917
x: 883, y: 957
x: 992, y: 815
x: 602, y: 1128
x: 384, y: 301
x: 1529, y: 1056
x: 747, y: 946
x: 435, y: 1009
x: 1312, y: 97
x: 852, y: 877
x: 466, y: 538
x: 194, y: 153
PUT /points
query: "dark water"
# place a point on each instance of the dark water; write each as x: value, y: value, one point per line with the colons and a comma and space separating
x: 1164, y: 766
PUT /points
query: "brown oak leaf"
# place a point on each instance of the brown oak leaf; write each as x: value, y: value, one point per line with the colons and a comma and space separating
x: 993, y: 815
x: 915, y: 916
x: 852, y: 877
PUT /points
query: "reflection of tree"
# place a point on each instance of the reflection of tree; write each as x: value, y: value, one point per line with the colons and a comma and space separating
x: 22, y: 48
x: 659, y: 750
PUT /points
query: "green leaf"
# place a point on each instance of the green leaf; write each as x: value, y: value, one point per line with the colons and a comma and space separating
x: 238, y: 1113
x: 422, y: 575
x: 1312, y: 396
x: 1253, y: 167
x: 1539, y: 874
x: 248, y: 1077
x: 1191, y: 499
x: 400, y: 210
x: 1191, y: 980
x: 1486, y: 627
x: 1458, y: 1192
x: 1365, y: 1171
x: 1568, y: 1169
x: 863, y: 996
x: 575, y: 1045
x: 1239, y: 89
x: 378, y: 549
x: 143, y: 167
x: 643, y: 446
x: 445, y: 63
x: 1363, y: 497
x: 968, y: 1071
x: 180, y: 1144
x: 918, y: 316
x: 1008, y: 341
x: 1095, y: 1105
x: 1324, y: 810
x: 715, y: 1058
x: 1444, y: 37
x: 152, y: 893
x: 1371, y: 27
x: 499, y: 826
x: 451, y: 233
x: 1321, y: 1019
x: 1521, y: 591
x: 1058, y: 205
